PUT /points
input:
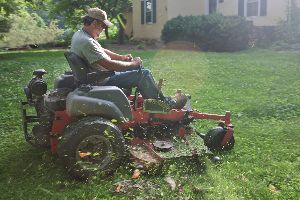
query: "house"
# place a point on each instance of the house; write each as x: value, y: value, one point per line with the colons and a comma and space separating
x: 149, y: 16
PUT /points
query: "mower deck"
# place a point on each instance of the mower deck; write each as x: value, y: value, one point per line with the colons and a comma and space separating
x: 145, y: 153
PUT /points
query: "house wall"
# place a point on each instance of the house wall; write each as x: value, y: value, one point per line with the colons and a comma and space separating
x: 129, y: 24
x: 228, y: 8
x: 149, y: 31
x: 185, y: 8
x: 276, y: 10
x: 168, y: 9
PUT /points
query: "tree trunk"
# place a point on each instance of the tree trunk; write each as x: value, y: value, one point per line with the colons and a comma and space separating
x: 122, y: 21
x: 121, y: 34
x: 106, y: 33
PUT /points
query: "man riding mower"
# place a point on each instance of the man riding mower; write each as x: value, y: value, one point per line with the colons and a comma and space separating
x: 93, y: 121
x: 93, y: 128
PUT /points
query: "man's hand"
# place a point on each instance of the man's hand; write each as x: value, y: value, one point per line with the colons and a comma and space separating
x: 127, y: 57
x: 137, y: 61
x: 117, y: 65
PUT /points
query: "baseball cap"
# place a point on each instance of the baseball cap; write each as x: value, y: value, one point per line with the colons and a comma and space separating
x: 98, y: 14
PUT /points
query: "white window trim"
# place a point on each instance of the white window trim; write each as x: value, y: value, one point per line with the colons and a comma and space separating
x: 206, y: 11
x: 206, y: 7
x: 246, y: 6
x: 145, y: 12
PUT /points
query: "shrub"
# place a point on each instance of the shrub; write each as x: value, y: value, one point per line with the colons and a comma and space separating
x: 29, y: 29
x: 176, y: 28
x: 211, y: 33
x: 4, y: 24
x: 263, y: 36
x: 288, y: 31
x: 64, y: 40
x: 4, y: 27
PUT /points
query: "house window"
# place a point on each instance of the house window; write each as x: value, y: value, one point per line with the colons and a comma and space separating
x: 252, y: 8
x: 148, y: 11
x: 212, y: 6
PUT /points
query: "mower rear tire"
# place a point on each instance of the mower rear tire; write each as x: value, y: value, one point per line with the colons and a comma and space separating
x: 214, y: 137
x: 91, y: 147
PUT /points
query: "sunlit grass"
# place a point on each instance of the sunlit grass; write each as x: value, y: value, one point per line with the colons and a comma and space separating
x: 260, y: 88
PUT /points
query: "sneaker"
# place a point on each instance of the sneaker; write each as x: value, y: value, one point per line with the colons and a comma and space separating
x: 170, y: 101
x: 176, y: 102
x: 180, y: 101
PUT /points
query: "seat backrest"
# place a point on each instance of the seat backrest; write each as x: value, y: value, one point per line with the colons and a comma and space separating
x: 78, y: 66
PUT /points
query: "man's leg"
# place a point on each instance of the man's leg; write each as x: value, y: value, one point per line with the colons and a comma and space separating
x: 142, y: 79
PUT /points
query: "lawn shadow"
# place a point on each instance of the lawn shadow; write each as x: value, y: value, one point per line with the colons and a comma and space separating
x: 28, y: 162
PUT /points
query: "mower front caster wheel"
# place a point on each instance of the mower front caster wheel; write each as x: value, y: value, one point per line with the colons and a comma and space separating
x: 214, y: 137
x: 92, y: 146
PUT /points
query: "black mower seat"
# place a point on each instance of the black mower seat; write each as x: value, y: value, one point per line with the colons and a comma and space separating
x: 79, y: 67
x: 83, y: 72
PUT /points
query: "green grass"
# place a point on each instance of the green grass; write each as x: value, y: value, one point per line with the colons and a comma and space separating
x: 261, y: 89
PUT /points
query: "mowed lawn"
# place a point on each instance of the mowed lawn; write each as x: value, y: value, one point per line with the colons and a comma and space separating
x: 261, y: 88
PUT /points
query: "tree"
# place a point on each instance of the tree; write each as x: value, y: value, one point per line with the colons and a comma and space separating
x: 73, y: 10
x: 4, y: 25
x: 28, y: 21
x: 29, y: 29
x: 8, y: 7
x: 122, y: 21
x: 12, y: 6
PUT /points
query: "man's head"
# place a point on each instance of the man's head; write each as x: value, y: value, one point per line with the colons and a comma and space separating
x: 96, y: 21
x: 98, y: 15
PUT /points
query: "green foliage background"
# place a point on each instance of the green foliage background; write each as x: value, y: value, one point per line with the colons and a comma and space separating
x: 29, y: 29
x: 73, y: 10
x: 50, y: 21
x: 213, y: 33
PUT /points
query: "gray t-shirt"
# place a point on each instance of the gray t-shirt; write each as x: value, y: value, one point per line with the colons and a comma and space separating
x: 89, y: 49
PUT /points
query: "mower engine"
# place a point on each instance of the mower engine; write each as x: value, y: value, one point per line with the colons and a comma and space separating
x: 36, y: 87
x: 44, y: 104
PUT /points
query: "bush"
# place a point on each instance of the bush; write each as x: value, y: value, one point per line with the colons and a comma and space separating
x: 4, y: 24
x: 27, y: 29
x: 211, y: 32
x: 288, y: 31
x: 64, y: 40
x: 263, y: 36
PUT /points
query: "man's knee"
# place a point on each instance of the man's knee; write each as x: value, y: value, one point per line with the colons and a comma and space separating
x: 146, y: 72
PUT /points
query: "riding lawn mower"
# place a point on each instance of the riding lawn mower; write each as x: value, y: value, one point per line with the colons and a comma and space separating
x: 93, y: 129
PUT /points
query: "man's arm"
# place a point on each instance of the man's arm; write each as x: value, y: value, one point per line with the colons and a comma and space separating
x: 116, y: 65
x: 115, y: 56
